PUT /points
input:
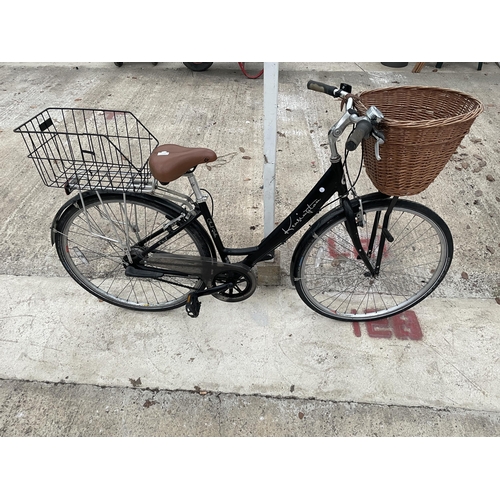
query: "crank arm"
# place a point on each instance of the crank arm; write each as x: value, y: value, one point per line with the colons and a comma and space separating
x: 193, y: 305
x: 212, y: 290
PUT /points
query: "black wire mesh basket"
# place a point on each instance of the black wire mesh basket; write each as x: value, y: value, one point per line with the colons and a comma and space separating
x: 89, y: 149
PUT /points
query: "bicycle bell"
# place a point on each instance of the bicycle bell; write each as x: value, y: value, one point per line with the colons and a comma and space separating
x: 374, y: 114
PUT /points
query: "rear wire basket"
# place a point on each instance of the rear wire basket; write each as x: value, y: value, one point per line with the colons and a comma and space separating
x: 89, y: 149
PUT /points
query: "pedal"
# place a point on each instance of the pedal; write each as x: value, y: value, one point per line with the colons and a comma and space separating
x: 193, y: 305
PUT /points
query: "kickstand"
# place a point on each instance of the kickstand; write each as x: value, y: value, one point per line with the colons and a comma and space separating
x: 193, y: 305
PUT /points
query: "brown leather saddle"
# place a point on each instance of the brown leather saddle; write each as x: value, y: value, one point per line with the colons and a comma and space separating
x: 169, y: 161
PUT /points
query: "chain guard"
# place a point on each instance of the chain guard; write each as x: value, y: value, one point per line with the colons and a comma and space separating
x: 213, y: 273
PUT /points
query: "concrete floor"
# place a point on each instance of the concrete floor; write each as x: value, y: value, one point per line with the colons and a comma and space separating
x: 71, y: 365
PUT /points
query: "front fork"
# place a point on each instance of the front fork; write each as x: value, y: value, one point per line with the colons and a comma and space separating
x: 355, y: 220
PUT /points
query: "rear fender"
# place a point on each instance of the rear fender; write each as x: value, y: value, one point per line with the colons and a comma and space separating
x: 78, y: 201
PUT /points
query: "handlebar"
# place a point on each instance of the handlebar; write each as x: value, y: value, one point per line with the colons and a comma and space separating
x: 364, y: 125
x: 323, y: 88
x: 362, y: 131
x: 329, y: 89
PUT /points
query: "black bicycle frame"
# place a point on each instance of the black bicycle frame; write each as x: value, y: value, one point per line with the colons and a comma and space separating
x: 330, y: 183
x: 333, y: 181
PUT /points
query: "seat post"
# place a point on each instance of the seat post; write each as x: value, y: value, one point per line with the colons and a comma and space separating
x: 200, y: 198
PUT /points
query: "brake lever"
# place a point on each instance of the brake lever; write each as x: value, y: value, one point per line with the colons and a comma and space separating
x: 380, y: 139
x: 376, y: 117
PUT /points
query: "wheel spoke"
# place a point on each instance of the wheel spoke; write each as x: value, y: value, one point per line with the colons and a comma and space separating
x: 335, y: 282
x: 95, y: 245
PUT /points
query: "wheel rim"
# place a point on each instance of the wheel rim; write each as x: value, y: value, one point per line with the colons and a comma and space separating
x: 336, y: 284
x: 93, y: 250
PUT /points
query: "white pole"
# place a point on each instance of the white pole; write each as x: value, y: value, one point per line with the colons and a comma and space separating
x: 271, y: 71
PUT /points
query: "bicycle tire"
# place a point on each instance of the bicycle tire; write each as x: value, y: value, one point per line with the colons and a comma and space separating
x: 332, y: 281
x: 198, y: 66
x: 91, y: 242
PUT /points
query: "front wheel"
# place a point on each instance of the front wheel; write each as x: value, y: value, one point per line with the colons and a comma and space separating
x: 333, y: 281
x: 97, y: 238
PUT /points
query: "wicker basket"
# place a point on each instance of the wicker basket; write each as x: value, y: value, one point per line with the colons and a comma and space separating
x: 423, y: 127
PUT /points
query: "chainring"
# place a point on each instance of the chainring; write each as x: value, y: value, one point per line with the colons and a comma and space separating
x: 245, y: 283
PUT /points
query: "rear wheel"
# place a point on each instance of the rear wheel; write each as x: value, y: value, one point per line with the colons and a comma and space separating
x: 97, y: 242
x: 333, y: 281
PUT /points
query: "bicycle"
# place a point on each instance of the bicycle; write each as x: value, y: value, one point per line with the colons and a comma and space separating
x: 129, y: 239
